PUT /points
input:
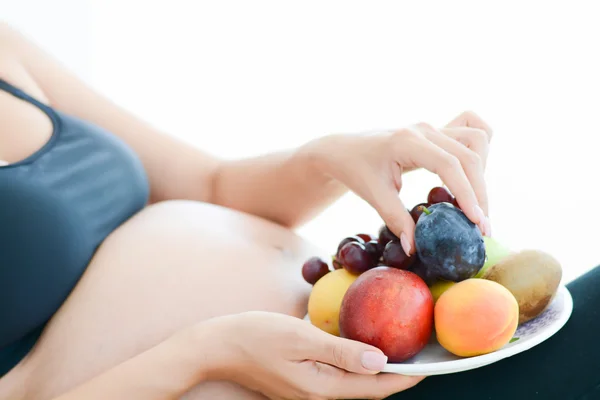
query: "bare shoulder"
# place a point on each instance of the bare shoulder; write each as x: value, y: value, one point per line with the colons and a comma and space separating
x: 7, y: 53
x: 23, y: 127
x: 8, y: 39
x: 11, y: 68
x: 5, y: 29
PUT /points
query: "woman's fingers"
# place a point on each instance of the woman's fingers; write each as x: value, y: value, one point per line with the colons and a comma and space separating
x: 345, y: 354
x: 472, y: 165
x: 473, y: 138
x: 352, y: 386
x: 471, y: 120
x: 381, y: 191
x: 397, y: 218
x: 348, y: 369
x: 449, y: 168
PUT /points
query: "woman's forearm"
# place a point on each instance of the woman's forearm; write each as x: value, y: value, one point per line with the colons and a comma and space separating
x: 166, y: 371
x: 284, y: 187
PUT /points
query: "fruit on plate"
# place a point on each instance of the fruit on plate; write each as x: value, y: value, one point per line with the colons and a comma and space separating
x: 475, y: 317
x: 385, y: 236
x: 439, y: 195
x: 391, y: 309
x: 372, y: 247
x: 428, y: 275
x: 326, y: 298
x: 448, y: 243
x: 394, y: 256
x: 349, y: 239
x: 532, y: 277
x: 495, y: 252
x: 439, y: 287
x: 356, y: 258
x: 367, y: 237
x: 473, y: 290
x: 314, y: 269
x: 417, y: 210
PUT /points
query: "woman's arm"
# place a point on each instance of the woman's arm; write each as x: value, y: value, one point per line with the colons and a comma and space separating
x: 288, y: 188
x: 280, y: 187
x: 165, y: 372
x: 277, y: 355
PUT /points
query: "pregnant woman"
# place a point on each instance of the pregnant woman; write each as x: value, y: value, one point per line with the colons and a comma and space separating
x: 133, y: 266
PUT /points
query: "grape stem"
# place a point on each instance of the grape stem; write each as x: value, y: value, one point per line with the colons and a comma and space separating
x: 425, y: 210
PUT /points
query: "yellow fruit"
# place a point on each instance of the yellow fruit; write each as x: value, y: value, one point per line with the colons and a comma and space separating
x: 440, y: 287
x: 326, y: 299
x: 494, y: 252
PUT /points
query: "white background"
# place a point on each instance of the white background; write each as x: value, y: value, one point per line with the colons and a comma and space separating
x: 241, y: 78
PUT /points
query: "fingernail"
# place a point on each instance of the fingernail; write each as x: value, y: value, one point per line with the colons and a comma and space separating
x: 479, y: 214
x: 487, y: 227
x: 373, y: 361
x: 481, y: 227
x: 405, y: 243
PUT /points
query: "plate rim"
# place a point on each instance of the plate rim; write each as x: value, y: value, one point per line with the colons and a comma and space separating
x: 468, y: 363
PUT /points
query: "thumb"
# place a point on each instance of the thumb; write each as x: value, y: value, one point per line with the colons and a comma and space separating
x: 346, y: 354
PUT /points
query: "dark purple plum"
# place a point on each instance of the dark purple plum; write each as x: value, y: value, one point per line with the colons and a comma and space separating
x: 423, y: 272
x: 448, y: 243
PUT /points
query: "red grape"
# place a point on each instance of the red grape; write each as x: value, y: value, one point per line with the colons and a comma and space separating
x: 349, y: 240
x: 416, y: 212
x: 439, y: 195
x: 395, y: 257
x: 385, y: 236
x: 373, y: 249
x: 314, y: 269
x: 366, y: 237
x: 355, y: 258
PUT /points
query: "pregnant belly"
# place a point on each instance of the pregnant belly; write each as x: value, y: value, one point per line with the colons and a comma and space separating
x: 172, y: 265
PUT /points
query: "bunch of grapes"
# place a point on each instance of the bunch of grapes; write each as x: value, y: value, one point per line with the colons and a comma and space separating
x: 361, y: 252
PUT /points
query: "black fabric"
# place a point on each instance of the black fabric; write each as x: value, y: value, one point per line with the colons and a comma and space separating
x: 56, y: 207
x: 564, y: 367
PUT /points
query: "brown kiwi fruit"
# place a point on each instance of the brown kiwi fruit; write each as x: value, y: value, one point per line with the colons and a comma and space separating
x: 532, y: 276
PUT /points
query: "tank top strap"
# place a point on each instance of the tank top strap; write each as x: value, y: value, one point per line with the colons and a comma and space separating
x: 15, y: 91
x: 49, y: 111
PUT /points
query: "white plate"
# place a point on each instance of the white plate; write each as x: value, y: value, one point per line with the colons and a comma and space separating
x: 435, y: 360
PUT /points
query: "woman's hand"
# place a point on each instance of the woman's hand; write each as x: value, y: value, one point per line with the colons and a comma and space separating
x: 371, y: 165
x: 287, y: 358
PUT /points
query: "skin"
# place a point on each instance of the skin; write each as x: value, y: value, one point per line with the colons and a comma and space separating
x: 166, y: 309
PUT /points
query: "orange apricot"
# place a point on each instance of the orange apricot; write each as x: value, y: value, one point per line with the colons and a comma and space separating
x: 475, y: 317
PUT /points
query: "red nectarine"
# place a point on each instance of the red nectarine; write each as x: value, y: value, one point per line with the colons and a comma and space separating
x: 390, y: 309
